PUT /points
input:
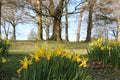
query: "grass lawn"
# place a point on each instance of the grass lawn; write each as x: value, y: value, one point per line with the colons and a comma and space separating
x: 20, y: 49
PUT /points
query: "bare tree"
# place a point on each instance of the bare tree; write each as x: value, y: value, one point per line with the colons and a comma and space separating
x: 6, y: 27
x: 50, y: 9
x: 13, y: 16
x: 108, y: 11
x: 32, y: 35
x: 40, y: 21
x: 91, y: 4
x: 82, y: 9
x: 47, y: 21
x: 117, y: 15
x: 57, y: 21
x: 66, y: 21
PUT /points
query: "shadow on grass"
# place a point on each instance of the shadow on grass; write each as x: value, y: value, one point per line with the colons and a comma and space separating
x: 9, y: 68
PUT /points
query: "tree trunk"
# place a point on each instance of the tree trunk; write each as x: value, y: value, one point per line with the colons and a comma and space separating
x: 47, y: 32
x: 51, y: 8
x: 118, y: 21
x: 40, y: 36
x: 66, y: 23
x: 79, y: 22
x: 90, y: 4
x: 57, y: 21
x: 6, y: 33
x: 88, y: 38
x: 78, y: 29
x: 39, y: 28
x: 14, y: 33
x: 0, y: 18
x: 56, y: 30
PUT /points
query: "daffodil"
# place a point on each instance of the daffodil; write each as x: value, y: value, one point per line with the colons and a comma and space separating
x: 4, y: 60
x: 7, y: 41
x: 58, y: 52
x: 35, y: 56
x: 40, y: 52
x: 84, y: 62
x: 19, y: 70
x: 74, y: 58
x: 48, y: 55
x: 68, y: 55
x: 25, y: 62
x: 78, y: 59
x: 102, y: 48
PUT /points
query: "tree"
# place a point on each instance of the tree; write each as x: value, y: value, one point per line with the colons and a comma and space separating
x: 39, y: 21
x: 47, y: 21
x: 13, y: 16
x: 116, y: 12
x: 32, y: 35
x: 66, y: 21
x: 6, y: 27
x: 91, y: 4
x: 82, y: 9
x: 32, y: 9
x: 108, y: 11
x: 53, y: 9
x: 58, y: 11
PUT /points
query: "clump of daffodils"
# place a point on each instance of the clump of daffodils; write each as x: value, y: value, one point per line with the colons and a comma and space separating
x: 105, y: 51
x: 48, y: 54
x: 4, y: 46
x: 49, y: 63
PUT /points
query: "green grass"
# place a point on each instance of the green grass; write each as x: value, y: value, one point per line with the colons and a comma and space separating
x: 20, y: 49
x: 12, y: 65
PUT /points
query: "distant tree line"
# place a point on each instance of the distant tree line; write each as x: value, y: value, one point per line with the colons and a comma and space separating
x: 102, y: 17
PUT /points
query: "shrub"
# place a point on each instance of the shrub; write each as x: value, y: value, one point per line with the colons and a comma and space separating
x: 4, y: 46
x: 106, y: 51
x: 53, y: 64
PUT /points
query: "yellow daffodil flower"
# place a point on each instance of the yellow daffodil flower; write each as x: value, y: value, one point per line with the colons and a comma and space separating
x: 68, y: 55
x: 48, y: 55
x: 7, y: 41
x: 25, y: 62
x: 74, y: 58
x: 19, y: 70
x: 4, y: 60
x: 40, y: 52
x: 78, y: 59
x: 84, y: 62
x: 58, y: 52
x: 35, y: 56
